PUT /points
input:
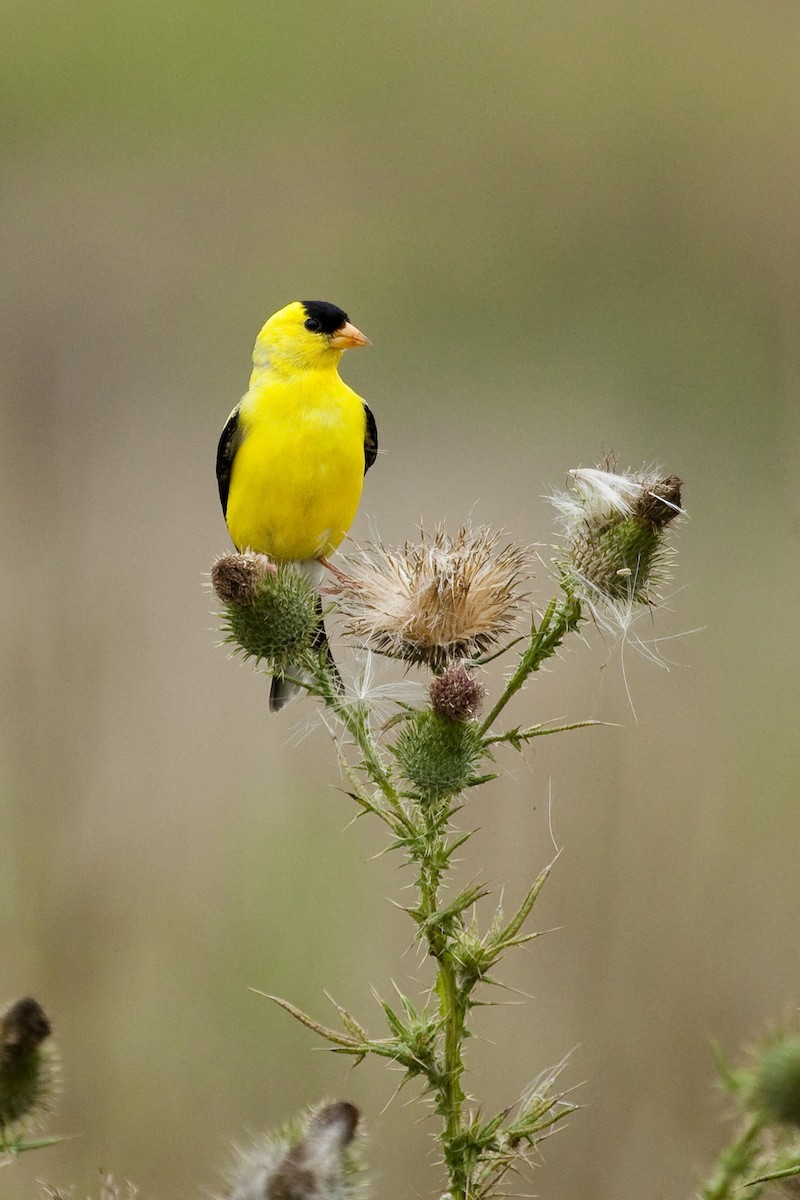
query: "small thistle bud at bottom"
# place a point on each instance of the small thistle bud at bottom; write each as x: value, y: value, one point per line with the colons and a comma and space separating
x: 26, y: 1069
x: 456, y: 693
x: 437, y: 755
x: 270, y: 613
x: 313, y: 1166
x: 776, y: 1088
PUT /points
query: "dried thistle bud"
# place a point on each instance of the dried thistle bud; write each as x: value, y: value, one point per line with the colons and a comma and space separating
x: 456, y: 693
x: 615, y: 555
x: 27, y: 1069
x: 776, y: 1087
x: 444, y: 599
x: 269, y: 613
x: 237, y: 578
x: 437, y: 755
x: 660, y: 503
x: 315, y: 1165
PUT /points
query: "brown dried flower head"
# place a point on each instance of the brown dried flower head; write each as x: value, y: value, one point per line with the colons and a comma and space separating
x: 443, y: 599
x: 237, y: 578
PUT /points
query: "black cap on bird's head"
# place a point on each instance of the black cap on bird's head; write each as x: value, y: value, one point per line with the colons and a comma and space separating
x: 333, y: 322
x: 322, y: 317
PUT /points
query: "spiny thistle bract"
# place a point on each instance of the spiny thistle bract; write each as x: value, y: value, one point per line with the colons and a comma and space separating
x: 444, y: 599
x: 27, y: 1066
x: 615, y: 555
x: 269, y: 613
x: 313, y: 1162
x: 438, y: 755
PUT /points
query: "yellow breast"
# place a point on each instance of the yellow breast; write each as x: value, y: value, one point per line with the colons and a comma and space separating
x: 298, y: 473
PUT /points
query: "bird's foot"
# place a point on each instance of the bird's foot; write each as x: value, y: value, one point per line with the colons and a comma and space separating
x: 266, y: 563
x: 338, y: 575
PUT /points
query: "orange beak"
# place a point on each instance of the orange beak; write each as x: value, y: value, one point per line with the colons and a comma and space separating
x: 348, y: 338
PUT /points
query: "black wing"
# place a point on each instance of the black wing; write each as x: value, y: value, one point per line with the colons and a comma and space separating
x: 229, y: 443
x: 370, y: 440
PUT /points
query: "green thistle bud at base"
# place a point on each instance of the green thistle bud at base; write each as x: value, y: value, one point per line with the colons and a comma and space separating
x: 268, y: 614
x: 437, y: 755
x: 776, y: 1087
x: 26, y: 1069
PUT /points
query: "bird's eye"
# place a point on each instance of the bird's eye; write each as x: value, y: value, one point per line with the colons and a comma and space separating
x: 312, y: 324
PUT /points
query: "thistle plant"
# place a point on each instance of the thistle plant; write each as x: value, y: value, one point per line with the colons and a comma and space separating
x: 449, y: 605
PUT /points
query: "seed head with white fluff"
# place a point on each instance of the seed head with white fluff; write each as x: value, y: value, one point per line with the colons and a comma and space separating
x: 444, y: 599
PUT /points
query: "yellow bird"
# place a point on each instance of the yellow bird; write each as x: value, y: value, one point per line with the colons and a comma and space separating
x: 293, y: 454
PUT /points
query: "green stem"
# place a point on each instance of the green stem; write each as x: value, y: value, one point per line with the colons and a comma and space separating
x: 452, y: 1093
x: 431, y: 854
x: 558, y: 619
x: 355, y: 720
x: 734, y: 1161
x: 517, y: 736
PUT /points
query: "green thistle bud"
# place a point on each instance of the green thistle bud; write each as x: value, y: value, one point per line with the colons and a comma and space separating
x: 26, y: 1067
x: 437, y: 755
x: 776, y: 1087
x: 456, y: 693
x: 269, y: 612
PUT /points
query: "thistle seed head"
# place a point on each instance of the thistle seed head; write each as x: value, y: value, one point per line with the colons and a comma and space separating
x: 269, y: 613
x: 437, y: 755
x: 444, y: 599
x: 315, y: 1164
x: 456, y: 693
x: 615, y: 556
x: 27, y: 1067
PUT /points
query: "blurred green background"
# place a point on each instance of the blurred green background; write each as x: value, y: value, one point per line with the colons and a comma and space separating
x: 568, y: 229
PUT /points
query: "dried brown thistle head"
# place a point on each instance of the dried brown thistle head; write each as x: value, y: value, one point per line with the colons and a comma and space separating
x: 446, y: 598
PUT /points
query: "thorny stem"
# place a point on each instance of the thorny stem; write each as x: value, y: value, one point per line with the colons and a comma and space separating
x: 430, y: 854
x: 355, y: 720
x: 452, y: 1006
x: 557, y: 620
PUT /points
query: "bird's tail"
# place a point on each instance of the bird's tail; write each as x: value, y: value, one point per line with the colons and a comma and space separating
x: 283, y: 690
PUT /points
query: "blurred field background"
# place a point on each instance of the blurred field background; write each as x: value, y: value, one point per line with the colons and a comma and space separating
x: 568, y: 229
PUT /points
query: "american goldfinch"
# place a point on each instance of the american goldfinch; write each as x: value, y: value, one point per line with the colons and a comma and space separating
x: 293, y: 454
